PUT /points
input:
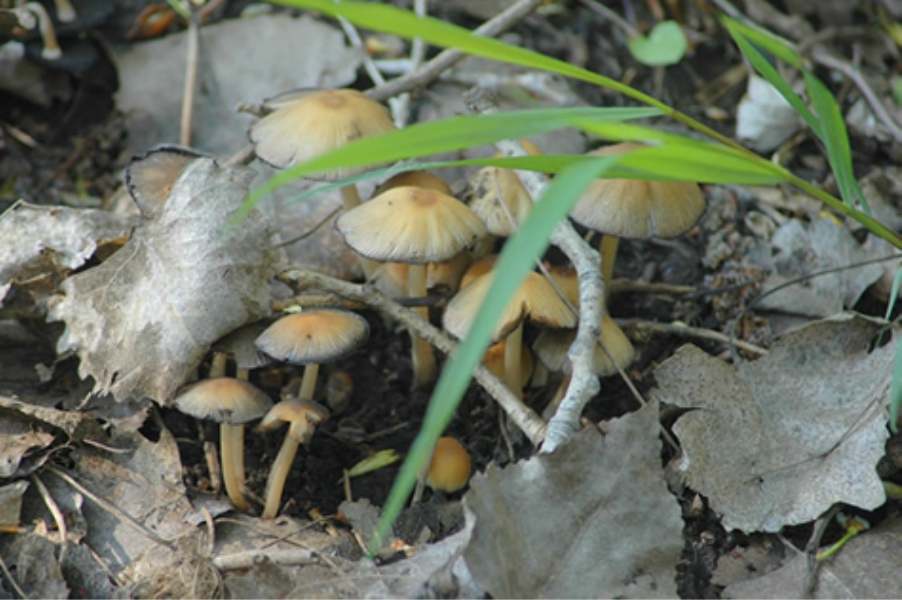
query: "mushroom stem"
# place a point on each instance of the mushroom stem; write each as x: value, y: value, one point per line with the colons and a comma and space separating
x: 421, y: 351
x: 229, y: 475
x: 238, y: 436
x: 65, y: 12
x: 512, y: 357
x: 608, y: 251
x: 51, y: 50
x: 308, y: 384
x: 277, y: 476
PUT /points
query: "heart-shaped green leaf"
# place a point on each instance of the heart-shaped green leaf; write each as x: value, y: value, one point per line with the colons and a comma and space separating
x: 664, y: 45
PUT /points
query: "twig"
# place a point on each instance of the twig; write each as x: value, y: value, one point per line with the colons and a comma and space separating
x: 58, y: 516
x: 190, y: 77
x: 448, y: 58
x: 112, y: 509
x: 584, y: 383
x: 417, y: 54
x: 524, y: 417
x: 820, y: 527
x: 693, y: 332
x: 246, y: 560
x: 621, y: 285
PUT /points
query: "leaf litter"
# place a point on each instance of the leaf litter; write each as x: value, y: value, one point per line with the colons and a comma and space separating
x: 779, y: 440
x: 143, y: 319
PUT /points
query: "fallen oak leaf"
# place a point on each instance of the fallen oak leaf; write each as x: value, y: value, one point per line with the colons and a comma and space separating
x: 142, y: 320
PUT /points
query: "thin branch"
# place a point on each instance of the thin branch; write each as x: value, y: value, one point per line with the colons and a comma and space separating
x: 692, y: 332
x: 58, y: 516
x: 524, y: 417
x: 584, y: 383
x: 190, y: 88
x: 448, y: 58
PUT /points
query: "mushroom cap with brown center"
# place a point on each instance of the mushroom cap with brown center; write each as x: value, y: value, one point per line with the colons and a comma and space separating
x: 410, y: 225
x: 535, y: 299
x: 638, y: 209
x: 314, y: 336
x: 317, y: 122
x: 223, y: 399
x: 420, y: 179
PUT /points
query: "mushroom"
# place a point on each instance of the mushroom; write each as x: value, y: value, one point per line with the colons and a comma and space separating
x: 420, y: 179
x: 449, y: 469
x: 65, y: 12
x: 312, y: 337
x: 35, y: 11
x: 230, y: 402
x: 149, y: 178
x: 302, y: 417
x: 416, y: 226
x: 635, y: 209
x: 310, y: 123
x: 535, y: 299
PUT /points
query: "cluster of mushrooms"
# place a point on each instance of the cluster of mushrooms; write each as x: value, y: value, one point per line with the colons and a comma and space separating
x: 413, y: 235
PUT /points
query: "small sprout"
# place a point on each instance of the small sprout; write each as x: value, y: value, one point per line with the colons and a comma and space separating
x: 853, y: 525
x: 377, y: 461
x: 449, y: 469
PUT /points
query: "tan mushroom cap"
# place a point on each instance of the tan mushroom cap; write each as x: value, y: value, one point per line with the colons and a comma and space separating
x: 449, y: 469
x: 551, y: 348
x: 411, y: 225
x: 494, y: 361
x: 149, y: 178
x: 499, y: 197
x: 638, y: 209
x: 535, y: 299
x: 223, y: 399
x: 317, y: 122
x: 478, y: 269
x: 420, y: 179
x: 314, y: 336
x: 302, y: 417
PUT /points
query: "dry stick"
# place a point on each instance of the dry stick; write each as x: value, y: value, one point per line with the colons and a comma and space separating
x: 12, y: 580
x: 584, y: 384
x: 112, y: 509
x: 448, y: 58
x: 417, y: 54
x: 524, y: 417
x: 693, y: 332
x: 58, y: 516
x: 190, y: 78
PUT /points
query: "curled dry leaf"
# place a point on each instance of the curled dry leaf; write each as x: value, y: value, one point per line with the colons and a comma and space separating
x: 141, y: 321
x: 779, y: 440
x: 593, y: 519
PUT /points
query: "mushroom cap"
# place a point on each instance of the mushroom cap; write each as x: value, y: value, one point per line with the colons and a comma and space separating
x: 551, y: 348
x: 392, y: 277
x: 535, y: 299
x: 301, y: 415
x: 410, y: 225
x: 477, y: 269
x: 317, y: 122
x: 149, y: 178
x: 420, y: 179
x: 449, y: 469
x: 223, y: 399
x: 638, y: 209
x: 240, y: 343
x: 495, y: 193
x: 314, y: 336
x: 566, y: 279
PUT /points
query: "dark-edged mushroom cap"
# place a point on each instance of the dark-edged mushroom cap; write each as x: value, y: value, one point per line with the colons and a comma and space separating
x: 638, y: 209
x: 315, y: 122
x: 314, y: 336
x: 149, y: 178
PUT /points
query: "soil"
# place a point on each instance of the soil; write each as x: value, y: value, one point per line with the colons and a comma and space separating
x: 47, y: 157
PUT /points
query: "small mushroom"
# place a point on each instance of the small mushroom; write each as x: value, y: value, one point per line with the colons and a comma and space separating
x: 302, y: 417
x: 312, y: 337
x: 535, y: 299
x: 51, y: 49
x: 449, y: 469
x: 230, y: 402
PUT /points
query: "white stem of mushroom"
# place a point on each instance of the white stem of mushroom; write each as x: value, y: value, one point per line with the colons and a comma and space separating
x: 513, y: 348
x: 275, y: 485
x: 350, y: 197
x: 423, y: 357
x: 308, y: 384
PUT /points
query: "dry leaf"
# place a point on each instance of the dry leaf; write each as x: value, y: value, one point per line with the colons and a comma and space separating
x: 142, y: 321
x: 593, y: 519
x: 779, y: 440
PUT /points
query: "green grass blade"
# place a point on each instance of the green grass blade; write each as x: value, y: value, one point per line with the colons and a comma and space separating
x: 763, y: 39
x: 895, y: 391
x: 836, y: 140
x: 447, y: 135
x: 770, y: 74
x: 517, y: 258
